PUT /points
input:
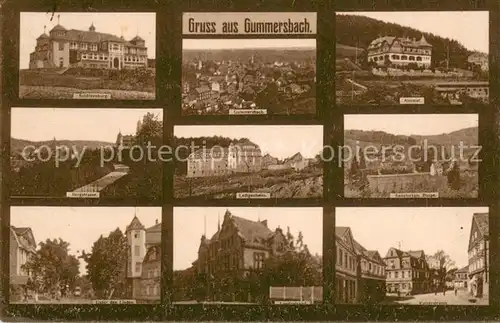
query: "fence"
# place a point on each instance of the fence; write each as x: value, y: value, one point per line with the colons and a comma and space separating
x: 306, y: 294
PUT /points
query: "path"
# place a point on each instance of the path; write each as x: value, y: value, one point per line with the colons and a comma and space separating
x: 106, y: 180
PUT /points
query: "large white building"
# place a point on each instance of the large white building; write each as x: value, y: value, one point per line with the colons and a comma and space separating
x: 218, y: 161
x: 400, y: 51
x: 63, y: 48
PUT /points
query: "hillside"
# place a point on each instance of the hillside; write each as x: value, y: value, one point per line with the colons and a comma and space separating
x: 17, y: 145
x: 360, y: 31
x: 469, y: 136
x: 260, y: 54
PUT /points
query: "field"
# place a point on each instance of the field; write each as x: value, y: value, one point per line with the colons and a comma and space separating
x: 62, y: 84
x: 280, y: 184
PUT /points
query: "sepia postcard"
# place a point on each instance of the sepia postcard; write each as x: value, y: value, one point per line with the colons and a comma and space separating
x: 87, y: 55
x: 413, y: 57
x: 394, y: 264
x: 86, y: 153
x: 411, y: 156
x: 248, y: 162
x: 85, y: 255
x: 248, y: 255
x: 248, y: 76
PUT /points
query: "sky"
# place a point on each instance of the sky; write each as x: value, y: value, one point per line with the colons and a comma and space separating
x: 470, y: 28
x: 40, y: 124
x: 128, y: 24
x: 247, y: 43
x: 279, y: 141
x: 411, y: 124
x: 80, y: 226
x: 411, y: 228
x: 189, y: 226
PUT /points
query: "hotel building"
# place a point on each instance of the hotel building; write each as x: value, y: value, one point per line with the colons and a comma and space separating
x: 400, y: 51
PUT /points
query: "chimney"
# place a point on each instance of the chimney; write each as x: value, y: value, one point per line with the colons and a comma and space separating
x: 264, y: 222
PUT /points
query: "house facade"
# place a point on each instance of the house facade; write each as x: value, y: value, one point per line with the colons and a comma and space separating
x: 346, y: 267
x: 407, y: 272
x: 143, y: 266
x: 22, y: 248
x: 63, y: 48
x: 478, y: 254
x: 400, y: 51
x: 461, y: 277
x: 480, y: 59
x: 372, y: 288
x: 219, y: 161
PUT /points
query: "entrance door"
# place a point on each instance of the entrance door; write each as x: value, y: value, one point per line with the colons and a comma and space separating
x: 116, y: 63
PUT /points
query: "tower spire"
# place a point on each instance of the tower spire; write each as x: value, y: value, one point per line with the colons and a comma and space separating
x: 58, y: 19
x: 44, y: 29
x: 205, y: 225
x: 218, y: 224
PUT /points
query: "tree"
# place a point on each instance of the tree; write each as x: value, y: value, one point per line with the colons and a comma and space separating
x: 151, y: 130
x: 106, y: 265
x: 52, y: 267
x: 442, y: 262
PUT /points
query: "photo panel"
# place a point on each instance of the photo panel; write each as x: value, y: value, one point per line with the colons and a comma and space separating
x: 248, y: 255
x: 91, y: 55
x: 85, y: 255
x: 411, y: 156
x: 412, y: 57
x: 251, y: 75
x: 86, y: 153
x: 248, y: 162
x: 399, y: 264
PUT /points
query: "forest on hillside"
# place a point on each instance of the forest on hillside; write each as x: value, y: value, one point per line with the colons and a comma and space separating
x: 467, y: 135
x: 360, y: 31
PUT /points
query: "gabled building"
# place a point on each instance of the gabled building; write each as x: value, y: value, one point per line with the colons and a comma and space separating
x: 372, y: 275
x: 407, y: 272
x: 400, y: 51
x: 22, y: 248
x: 239, y: 246
x: 63, y: 48
x: 143, y: 266
x: 346, y: 267
x: 479, y: 260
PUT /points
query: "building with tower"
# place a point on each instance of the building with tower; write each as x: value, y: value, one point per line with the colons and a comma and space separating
x: 143, y: 261
x: 400, y: 51
x: 63, y: 48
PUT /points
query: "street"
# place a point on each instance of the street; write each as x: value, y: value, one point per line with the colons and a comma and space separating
x: 462, y: 298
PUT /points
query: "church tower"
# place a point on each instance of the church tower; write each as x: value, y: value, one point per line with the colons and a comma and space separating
x: 136, y: 242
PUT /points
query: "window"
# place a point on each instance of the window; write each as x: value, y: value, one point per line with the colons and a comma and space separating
x: 137, y: 234
x: 396, y: 274
x: 73, y: 45
x: 93, y: 47
x: 138, y: 266
x: 61, y: 46
x: 258, y: 260
x: 137, y: 251
x: 61, y: 62
x: 83, y: 46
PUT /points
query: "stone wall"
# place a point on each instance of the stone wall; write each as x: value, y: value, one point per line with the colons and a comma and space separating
x: 405, y: 183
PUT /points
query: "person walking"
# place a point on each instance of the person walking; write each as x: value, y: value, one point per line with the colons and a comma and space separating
x: 456, y: 290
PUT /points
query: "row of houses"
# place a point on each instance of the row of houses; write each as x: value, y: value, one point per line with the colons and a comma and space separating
x: 363, y: 276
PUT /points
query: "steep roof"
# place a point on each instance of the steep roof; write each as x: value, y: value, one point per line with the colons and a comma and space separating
x: 135, y: 224
x: 463, y: 270
x: 153, y: 234
x: 43, y: 36
x: 27, y: 233
x: 252, y: 231
x: 482, y: 222
x: 92, y: 36
x: 404, y: 40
